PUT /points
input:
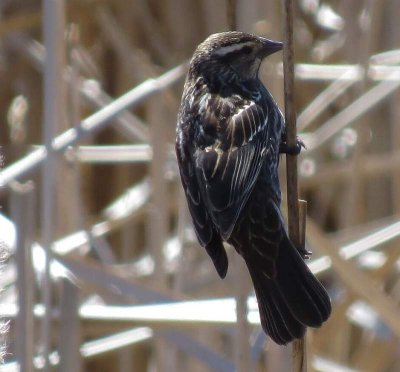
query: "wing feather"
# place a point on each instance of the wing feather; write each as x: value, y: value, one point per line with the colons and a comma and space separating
x: 204, y: 228
x: 228, y: 168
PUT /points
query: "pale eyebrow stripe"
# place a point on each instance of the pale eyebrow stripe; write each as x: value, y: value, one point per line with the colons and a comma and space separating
x: 231, y: 48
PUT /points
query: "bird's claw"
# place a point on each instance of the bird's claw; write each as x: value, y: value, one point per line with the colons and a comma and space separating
x: 306, y: 254
x: 284, y: 148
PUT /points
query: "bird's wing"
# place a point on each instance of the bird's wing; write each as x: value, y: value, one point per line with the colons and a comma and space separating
x: 227, y: 169
x: 201, y: 219
x: 205, y: 230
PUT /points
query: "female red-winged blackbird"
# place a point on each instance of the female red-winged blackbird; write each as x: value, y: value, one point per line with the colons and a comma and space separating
x: 229, y: 135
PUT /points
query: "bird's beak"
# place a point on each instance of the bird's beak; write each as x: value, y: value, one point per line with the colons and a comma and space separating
x: 270, y: 47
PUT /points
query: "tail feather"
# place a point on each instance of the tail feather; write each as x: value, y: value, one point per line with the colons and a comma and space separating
x: 303, y: 292
x: 291, y: 300
x: 216, y: 251
x: 276, y: 317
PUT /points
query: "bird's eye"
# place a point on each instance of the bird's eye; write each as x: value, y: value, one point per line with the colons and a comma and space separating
x: 246, y: 50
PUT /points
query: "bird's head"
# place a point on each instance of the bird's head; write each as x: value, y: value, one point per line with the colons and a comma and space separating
x: 232, y: 55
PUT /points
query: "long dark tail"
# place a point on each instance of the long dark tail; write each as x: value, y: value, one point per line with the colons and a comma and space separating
x: 291, y: 301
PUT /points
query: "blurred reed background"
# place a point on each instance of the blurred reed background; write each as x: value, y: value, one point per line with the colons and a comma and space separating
x: 127, y: 287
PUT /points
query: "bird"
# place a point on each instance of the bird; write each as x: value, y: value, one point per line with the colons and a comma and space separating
x: 229, y: 136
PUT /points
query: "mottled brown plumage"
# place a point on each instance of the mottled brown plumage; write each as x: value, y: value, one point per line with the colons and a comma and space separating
x: 229, y: 135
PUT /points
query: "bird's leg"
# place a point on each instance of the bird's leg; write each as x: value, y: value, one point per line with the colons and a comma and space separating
x: 284, y: 148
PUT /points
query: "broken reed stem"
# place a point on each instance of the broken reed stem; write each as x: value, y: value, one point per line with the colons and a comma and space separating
x: 302, y: 221
x: 299, y: 350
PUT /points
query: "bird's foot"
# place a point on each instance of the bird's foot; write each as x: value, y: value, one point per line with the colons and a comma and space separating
x: 304, y: 253
x: 284, y: 148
